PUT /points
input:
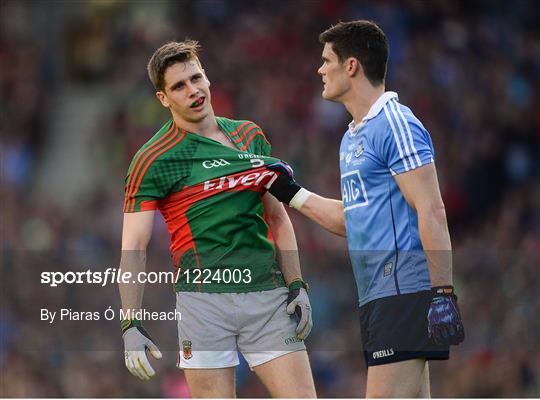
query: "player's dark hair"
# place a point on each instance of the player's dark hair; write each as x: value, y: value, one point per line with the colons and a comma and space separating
x: 169, y: 54
x: 363, y: 40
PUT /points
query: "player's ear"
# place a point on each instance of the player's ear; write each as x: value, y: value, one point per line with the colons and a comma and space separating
x: 162, y: 99
x: 353, y: 66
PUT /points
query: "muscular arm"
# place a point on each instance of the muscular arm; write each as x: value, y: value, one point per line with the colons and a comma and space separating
x: 328, y: 213
x: 420, y: 188
x: 283, y: 233
x: 136, y: 234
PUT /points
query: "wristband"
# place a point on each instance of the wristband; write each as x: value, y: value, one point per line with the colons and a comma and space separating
x: 442, y: 290
x: 130, y: 323
x: 298, y: 284
x: 299, y: 198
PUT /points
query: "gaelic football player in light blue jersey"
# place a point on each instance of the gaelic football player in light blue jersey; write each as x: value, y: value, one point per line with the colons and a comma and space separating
x: 392, y: 214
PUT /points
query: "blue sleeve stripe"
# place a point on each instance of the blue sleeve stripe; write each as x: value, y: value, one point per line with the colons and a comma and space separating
x: 406, y: 124
x: 396, y: 138
x: 393, y: 107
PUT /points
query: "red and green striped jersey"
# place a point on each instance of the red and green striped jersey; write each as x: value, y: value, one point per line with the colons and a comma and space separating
x: 210, y: 196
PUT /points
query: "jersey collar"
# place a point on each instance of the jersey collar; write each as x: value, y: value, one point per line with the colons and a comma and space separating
x: 373, y: 111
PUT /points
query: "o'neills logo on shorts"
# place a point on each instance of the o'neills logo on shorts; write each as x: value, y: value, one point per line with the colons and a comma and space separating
x: 186, y: 349
x: 239, y: 181
x: 383, y: 353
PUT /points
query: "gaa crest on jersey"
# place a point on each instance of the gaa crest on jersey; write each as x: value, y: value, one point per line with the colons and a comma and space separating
x: 215, y: 163
x: 359, y: 150
x: 186, y: 349
x: 348, y: 158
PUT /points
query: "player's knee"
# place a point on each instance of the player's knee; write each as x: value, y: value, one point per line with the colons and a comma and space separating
x: 209, y: 391
x: 298, y: 392
x: 382, y: 393
x: 296, y: 389
x: 305, y: 392
x: 390, y: 392
x: 207, y: 388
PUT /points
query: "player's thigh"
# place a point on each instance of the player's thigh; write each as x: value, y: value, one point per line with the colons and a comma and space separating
x: 209, y: 383
x: 206, y: 332
x: 288, y: 376
x: 266, y: 330
x: 425, y: 389
x: 399, y: 379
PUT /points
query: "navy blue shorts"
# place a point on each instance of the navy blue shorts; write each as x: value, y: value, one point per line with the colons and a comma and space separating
x: 395, y: 328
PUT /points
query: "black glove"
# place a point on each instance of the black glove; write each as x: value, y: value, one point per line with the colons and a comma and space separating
x: 444, y: 320
x: 283, y: 187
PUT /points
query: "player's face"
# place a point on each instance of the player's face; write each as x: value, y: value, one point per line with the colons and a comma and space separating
x: 334, y: 75
x: 187, y: 91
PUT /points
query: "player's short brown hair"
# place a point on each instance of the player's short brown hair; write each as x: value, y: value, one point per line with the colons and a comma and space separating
x: 169, y: 54
x: 363, y: 40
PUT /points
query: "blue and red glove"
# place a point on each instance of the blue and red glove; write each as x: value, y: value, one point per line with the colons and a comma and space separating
x: 444, y: 319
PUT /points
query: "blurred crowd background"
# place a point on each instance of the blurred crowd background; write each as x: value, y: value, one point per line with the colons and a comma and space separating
x: 76, y: 104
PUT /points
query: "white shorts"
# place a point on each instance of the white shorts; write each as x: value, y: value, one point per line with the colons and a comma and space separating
x: 215, y: 326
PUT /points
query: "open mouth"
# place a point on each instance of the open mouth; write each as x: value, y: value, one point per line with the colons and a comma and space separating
x: 197, y: 103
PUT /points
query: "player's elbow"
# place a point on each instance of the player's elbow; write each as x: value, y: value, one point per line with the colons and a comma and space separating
x: 340, y: 229
x: 276, y: 220
x: 276, y: 217
x: 135, y: 243
x: 338, y: 221
x: 439, y: 213
x: 434, y: 211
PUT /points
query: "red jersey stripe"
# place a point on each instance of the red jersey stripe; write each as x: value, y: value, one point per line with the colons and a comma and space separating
x: 191, y: 194
x: 149, y: 205
x: 245, y: 134
x: 245, y: 146
x: 237, y: 131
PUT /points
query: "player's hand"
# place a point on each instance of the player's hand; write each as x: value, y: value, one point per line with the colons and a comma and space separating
x: 136, y: 342
x: 283, y: 186
x: 298, y: 304
x: 444, y: 319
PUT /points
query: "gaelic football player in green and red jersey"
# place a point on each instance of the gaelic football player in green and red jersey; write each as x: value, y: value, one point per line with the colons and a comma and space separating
x: 207, y: 177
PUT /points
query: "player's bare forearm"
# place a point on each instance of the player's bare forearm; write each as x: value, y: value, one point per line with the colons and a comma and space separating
x: 420, y: 188
x: 131, y: 293
x: 328, y: 213
x: 284, y: 237
x: 136, y: 234
x: 435, y: 238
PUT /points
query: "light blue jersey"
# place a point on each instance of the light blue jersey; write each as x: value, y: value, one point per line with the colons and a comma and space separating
x: 382, y: 229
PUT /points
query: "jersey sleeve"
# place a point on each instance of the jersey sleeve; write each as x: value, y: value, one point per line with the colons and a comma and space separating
x: 261, y: 145
x: 405, y: 144
x: 143, y: 187
x: 252, y: 138
x: 265, y: 148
